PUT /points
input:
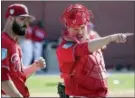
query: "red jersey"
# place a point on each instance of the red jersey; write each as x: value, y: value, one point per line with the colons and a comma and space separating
x: 83, y: 72
x: 38, y: 34
x: 28, y: 34
x: 11, y: 67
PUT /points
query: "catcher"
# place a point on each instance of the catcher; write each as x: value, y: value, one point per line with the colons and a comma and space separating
x: 80, y: 55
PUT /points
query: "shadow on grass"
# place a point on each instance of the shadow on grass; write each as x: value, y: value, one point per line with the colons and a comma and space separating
x: 52, y: 84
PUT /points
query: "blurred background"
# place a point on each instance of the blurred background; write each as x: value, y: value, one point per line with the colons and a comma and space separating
x: 43, y: 37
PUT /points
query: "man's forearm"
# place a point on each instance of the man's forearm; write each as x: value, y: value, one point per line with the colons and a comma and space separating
x: 9, y: 88
x: 98, y: 43
x: 28, y: 71
x: 37, y: 65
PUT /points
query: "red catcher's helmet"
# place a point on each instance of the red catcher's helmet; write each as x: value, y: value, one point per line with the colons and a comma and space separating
x: 76, y: 15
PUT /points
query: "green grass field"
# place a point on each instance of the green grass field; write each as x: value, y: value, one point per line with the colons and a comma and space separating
x: 120, y: 84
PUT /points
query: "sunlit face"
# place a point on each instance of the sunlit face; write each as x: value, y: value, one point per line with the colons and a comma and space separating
x: 80, y: 32
x: 19, y: 25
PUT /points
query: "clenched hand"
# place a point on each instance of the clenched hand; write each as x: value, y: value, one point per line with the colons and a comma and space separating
x: 40, y: 63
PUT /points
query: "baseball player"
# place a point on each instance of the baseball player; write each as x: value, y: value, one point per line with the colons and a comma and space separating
x: 38, y: 37
x: 27, y: 46
x: 80, y: 56
x: 61, y: 86
x: 14, y: 74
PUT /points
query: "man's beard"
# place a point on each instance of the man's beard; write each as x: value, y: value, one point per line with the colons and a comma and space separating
x: 18, y: 30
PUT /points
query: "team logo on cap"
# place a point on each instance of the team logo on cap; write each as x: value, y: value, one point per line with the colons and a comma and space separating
x: 12, y: 11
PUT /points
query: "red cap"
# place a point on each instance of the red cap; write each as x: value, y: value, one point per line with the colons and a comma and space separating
x: 18, y: 10
x: 76, y: 15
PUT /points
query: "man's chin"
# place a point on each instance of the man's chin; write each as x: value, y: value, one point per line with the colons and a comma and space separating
x: 20, y: 34
x: 80, y: 39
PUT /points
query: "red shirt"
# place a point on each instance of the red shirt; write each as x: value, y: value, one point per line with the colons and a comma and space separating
x: 28, y: 34
x: 11, y: 64
x: 83, y: 72
x: 38, y: 34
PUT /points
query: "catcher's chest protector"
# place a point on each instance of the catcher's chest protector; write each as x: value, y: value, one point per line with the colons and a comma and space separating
x: 90, y: 71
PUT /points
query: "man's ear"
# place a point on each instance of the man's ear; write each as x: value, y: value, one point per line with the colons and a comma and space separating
x: 11, y: 18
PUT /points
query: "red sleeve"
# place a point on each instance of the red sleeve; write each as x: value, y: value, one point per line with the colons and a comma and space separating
x: 67, y: 52
x: 5, y: 65
x: 9, y: 60
x: 38, y: 34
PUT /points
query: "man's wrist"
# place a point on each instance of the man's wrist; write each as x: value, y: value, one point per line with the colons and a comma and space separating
x: 35, y: 66
x: 112, y: 38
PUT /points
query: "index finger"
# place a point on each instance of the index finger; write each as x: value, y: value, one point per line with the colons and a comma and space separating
x: 129, y: 34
